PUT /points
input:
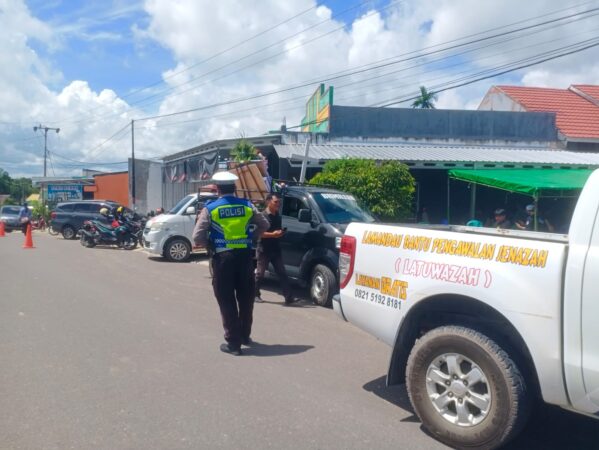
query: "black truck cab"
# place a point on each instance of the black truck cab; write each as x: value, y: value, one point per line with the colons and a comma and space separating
x: 315, y: 219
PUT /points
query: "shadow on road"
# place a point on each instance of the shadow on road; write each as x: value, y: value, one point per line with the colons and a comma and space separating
x: 396, y: 395
x: 549, y: 427
x: 258, y: 349
x: 194, y: 258
x: 271, y: 284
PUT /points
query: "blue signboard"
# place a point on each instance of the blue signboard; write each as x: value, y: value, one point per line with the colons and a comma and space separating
x: 65, y: 192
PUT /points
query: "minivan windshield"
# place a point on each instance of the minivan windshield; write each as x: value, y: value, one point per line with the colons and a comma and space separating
x: 179, y: 206
x: 341, y: 208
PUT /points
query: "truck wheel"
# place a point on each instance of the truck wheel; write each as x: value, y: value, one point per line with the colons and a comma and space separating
x: 466, y: 390
x: 322, y: 285
x: 177, y: 250
x: 68, y: 232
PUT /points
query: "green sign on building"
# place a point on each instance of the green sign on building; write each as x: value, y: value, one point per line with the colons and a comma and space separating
x: 318, y: 111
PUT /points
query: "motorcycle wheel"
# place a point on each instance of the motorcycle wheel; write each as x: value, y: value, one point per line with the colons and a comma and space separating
x: 86, y: 241
x: 130, y: 243
x: 52, y: 231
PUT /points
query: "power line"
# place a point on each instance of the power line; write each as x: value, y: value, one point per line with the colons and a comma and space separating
x: 355, y: 72
x: 349, y: 73
x: 253, y: 64
x: 247, y: 56
x: 360, y: 82
x: 585, y: 46
x: 435, y: 90
x: 86, y: 162
x: 222, y: 52
x: 120, y: 130
x: 399, y: 101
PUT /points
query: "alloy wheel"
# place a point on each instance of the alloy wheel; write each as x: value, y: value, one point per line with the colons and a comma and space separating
x: 458, y: 389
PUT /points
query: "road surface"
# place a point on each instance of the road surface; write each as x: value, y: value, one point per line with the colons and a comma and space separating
x: 108, y: 349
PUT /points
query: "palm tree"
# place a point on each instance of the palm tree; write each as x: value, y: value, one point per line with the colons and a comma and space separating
x: 426, y: 100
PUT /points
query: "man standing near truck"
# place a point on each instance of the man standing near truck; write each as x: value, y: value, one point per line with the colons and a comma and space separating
x: 269, y: 250
x: 224, y: 227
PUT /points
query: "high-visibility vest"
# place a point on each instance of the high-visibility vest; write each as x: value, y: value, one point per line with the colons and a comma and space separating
x: 230, y: 219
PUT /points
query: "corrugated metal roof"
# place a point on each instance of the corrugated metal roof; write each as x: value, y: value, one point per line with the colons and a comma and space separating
x: 441, y: 154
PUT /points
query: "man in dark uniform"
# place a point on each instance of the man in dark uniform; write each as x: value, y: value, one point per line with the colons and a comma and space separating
x: 269, y: 250
x: 529, y: 222
x: 501, y: 220
x: 224, y: 226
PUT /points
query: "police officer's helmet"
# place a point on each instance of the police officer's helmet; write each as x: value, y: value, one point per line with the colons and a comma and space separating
x: 224, y: 178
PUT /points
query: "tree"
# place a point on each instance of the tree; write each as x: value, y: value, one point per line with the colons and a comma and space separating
x: 426, y: 100
x: 386, y: 188
x: 5, y: 182
x: 19, y: 188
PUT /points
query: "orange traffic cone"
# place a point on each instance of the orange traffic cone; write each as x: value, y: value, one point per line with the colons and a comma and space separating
x: 28, y: 238
x: 2, y: 234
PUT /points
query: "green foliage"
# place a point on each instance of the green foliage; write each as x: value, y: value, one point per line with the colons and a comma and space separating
x: 243, y: 151
x: 386, y: 188
x: 10, y: 201
x: 17, y: 188
x: 5, y: 182
x: 426, y: 100
x: 40, y: 210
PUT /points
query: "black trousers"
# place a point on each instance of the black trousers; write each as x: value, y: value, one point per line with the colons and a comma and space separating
x: 276, y: 258
x: 233, y: 283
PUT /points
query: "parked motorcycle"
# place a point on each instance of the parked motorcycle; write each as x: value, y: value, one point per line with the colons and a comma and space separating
x: 38, y: 224
x: 97, y: 233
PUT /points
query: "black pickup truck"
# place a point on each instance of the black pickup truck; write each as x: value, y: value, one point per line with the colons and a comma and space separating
x: 315, y: 219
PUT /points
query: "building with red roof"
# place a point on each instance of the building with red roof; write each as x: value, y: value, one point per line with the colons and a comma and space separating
x: 576, y: 110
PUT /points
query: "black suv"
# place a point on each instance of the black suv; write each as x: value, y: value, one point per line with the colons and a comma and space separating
x: 316, y: 219
x: 67, y: 218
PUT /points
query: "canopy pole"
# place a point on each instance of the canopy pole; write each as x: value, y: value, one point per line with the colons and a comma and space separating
x: 536, y: 197
x: 472, y: 201
x: 448, y: 199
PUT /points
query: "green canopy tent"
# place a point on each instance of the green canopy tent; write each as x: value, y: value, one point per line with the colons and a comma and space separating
x: 537, y: 183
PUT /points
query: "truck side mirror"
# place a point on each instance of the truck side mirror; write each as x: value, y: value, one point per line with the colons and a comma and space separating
x: 190, y: 211
x: 304, y: 216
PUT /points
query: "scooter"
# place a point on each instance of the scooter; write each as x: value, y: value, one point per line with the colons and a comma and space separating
x: 97, y: 233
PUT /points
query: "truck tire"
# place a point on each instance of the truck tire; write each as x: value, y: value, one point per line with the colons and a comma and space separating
x: 322, y: 285
x: 177, y: 250
x: 465, y: 389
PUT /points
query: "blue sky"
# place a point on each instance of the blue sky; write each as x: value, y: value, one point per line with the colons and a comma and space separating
x: 98, y: 43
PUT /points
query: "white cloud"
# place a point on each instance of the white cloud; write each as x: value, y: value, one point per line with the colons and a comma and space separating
x: 194, y: 30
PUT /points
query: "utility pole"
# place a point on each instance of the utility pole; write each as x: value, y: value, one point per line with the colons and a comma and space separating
x: 133, y: 164
x: 45, y: 130
x: 305, y: 160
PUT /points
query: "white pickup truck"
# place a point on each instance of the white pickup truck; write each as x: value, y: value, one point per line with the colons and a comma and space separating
x: 482, y: 322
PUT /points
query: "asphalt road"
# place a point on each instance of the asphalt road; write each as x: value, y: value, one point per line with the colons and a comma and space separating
x: 108, y: 349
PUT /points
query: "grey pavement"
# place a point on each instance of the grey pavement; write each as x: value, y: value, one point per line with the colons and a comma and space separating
x: 108, y: 349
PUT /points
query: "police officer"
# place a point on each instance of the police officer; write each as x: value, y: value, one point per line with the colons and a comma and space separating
x: 224, y: 226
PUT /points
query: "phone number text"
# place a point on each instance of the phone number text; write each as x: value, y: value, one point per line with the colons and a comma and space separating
x: 377, y: 298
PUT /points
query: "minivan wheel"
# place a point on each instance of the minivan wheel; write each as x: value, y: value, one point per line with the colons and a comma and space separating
x: 68, y: 232
x: 322, y: 285
x: 177, y: 250
x: 466, y: 389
